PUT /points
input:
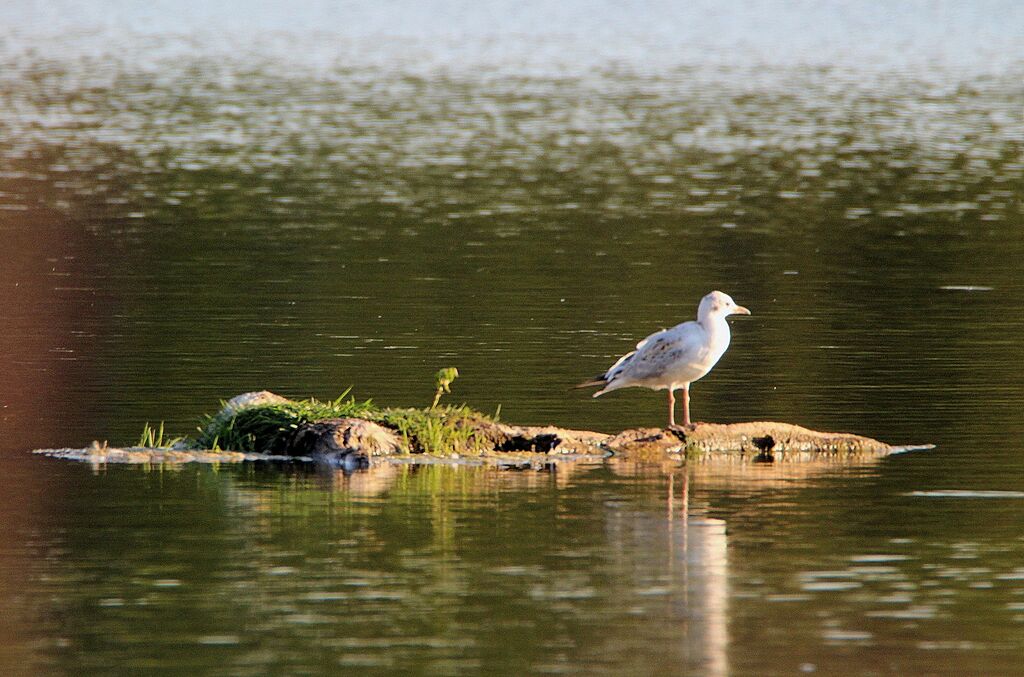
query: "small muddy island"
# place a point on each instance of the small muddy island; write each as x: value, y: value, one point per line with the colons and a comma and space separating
x: 262, y: 426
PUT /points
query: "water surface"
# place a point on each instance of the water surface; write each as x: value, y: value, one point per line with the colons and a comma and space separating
x: 193, y: 205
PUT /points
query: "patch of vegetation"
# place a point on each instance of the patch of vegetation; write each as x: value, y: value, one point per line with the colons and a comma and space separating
x: 270, y: 424
x: 270, y: 428
x: 441, y: 431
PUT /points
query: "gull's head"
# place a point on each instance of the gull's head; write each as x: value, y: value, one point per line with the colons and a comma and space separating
x: 719, y: 304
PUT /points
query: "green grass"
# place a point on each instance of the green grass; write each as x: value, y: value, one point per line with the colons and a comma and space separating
x: 155, y: 438
x: 440, y: 430
x: 269, y: 428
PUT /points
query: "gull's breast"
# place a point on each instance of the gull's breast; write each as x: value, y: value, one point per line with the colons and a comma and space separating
x: 686, y: 370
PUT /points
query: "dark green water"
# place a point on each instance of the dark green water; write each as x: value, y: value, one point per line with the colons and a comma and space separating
x: 193, y: 207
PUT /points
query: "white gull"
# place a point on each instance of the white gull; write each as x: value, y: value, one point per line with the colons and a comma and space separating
x: 672, y: 359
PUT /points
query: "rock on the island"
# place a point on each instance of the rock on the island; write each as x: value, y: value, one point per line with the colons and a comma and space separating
x: 345, y: 441
x: 763, y: 439
x: 545, y: 439
x: 650, y: 443
x: 257, y: 398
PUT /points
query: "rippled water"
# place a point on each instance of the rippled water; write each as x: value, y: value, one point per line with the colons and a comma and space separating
x: 196, y: 202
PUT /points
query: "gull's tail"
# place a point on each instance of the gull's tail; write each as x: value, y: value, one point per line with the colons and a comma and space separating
x: 598, y: 380
x: 610, y: 379
x: 606, y: 384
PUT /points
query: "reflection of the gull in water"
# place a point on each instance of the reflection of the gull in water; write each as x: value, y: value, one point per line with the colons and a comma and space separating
x: 703, y: 543
x: 692, y: 575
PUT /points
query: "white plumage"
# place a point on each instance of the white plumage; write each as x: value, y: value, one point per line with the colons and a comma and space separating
x: 672, y: 359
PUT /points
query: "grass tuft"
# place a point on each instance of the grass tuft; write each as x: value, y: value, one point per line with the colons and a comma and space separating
x: 440, y: 430
x: 155, y: 438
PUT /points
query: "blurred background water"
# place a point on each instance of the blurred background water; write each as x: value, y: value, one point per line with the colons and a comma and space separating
x: 199, y: 199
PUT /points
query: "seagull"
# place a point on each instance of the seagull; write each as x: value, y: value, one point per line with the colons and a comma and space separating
x: 672, y: 359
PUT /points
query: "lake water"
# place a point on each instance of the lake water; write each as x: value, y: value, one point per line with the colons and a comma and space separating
x: 200, y: 199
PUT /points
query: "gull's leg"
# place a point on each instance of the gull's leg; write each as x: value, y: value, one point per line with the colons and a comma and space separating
x: 686, y: 406
x: 671, y: 408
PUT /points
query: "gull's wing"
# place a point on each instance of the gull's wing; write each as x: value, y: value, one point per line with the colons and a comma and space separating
x: 656, y: 353
x: 623, y: 363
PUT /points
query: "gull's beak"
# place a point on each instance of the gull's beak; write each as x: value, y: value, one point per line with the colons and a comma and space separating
x: 740, y: 310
